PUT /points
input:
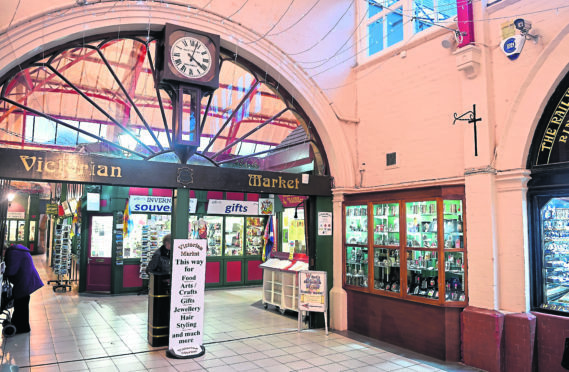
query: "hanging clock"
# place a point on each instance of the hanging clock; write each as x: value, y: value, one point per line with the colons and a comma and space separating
x: 189, y: 57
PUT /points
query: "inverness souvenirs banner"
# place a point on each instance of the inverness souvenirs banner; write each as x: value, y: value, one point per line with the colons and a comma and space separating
x: 187, y: 298
x: 155, y: 204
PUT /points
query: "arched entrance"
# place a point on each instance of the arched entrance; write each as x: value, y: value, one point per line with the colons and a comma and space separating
x: 88, y: 112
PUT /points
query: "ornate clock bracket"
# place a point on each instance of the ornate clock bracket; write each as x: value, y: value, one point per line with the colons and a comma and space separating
x: 185, y: 124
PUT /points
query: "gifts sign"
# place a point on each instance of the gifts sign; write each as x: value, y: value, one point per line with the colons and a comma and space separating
x: 187, y: 299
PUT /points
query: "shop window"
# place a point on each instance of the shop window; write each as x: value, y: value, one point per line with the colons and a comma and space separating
x: 389, y: 22
x: 554, y: 221
x: 415, y: 250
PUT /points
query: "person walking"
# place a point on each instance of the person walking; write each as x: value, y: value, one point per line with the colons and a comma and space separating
x: 160, y: 262
x: 22, y: 273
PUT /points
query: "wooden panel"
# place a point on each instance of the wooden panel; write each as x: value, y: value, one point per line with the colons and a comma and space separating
x: 233, y: 271
x: 254, y: 272
x: 213, y: 272
x: 130, y: 276
x: 430, y: 330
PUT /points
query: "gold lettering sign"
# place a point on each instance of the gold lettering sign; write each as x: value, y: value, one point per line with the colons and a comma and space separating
x: 554, y: 128
x: 63, y: 168
x: 257, y: 180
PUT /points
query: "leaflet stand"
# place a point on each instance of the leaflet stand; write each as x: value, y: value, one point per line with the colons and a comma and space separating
x: 61, y: 257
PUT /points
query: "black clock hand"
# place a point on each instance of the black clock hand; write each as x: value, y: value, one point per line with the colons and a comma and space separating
x: 193, y: 59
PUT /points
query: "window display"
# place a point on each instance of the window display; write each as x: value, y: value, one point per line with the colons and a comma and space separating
x: 233, y: 236
x: 356, y: 224
x: 214, y: 235
x: 422, y: 224
x: 145, y: 234
x: 555, y: 246
x: 357, y: 266
x: 132, y: 242
x: 454, y: 276
x: 293, y: 237
x: 413, y: 231
x: 453, y: 224
x: 386, y: 224
x: 254, y: 235
x: 356, y: 246
x: 386, y: 271
x: 422, y: 274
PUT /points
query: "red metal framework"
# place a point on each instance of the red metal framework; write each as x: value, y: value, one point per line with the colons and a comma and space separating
x: 100, y: 93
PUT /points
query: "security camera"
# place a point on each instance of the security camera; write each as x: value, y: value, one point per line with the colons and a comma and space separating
x: 522, y: 25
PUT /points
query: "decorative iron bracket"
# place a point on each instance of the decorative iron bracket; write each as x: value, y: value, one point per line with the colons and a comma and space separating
x: 471, y: 119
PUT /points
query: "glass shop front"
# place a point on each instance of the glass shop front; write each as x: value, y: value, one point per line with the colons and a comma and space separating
x: 120, y: 248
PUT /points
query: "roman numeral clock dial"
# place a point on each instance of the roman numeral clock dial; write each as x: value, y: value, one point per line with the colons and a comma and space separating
x: 190, y: 57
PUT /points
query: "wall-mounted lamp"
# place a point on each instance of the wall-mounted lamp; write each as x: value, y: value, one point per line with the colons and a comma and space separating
x: 11, y: 196
x: 296, y: 209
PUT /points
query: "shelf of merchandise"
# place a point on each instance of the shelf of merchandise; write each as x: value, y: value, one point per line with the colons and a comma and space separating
x: 404, y: 225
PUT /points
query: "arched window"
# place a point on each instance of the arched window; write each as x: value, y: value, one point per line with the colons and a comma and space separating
x: 98, y: 96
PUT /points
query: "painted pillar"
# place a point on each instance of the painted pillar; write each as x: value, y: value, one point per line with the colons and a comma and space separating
x: 323, y: 246
x: 482, y: 240
x: 338, y: 296
x: 180, y: 214
x: 513, y: 246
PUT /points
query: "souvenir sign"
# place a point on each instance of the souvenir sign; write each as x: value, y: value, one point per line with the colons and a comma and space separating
x: 155, y: 204
x: 313, y: 294
x: 233, y: 207
x: 187, y: 299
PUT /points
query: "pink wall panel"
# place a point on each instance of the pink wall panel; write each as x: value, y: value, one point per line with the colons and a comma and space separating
x: 162, y: 192
x: 212, y: 271
x: 130, y: 276
x: 252, y: 197
x: 138, y: 191
x: 254, y: 272
x: 234, y: 196
x: 233, y: 270
x: 214, y: 195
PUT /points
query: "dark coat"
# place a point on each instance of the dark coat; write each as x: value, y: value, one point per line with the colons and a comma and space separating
x: 160, y: 262
x: 21, y: 272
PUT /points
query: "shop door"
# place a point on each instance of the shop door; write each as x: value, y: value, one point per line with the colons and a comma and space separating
x: 15, y: 229
x: 99, y: 254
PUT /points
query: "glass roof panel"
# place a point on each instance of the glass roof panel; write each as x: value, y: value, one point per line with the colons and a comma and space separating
x: 101, y: 98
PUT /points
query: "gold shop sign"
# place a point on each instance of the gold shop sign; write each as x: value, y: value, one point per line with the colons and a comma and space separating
x: 280, y: 182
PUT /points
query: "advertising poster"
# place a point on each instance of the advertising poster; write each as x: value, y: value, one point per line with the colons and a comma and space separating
x: 313, y: 294
x: 187, y: 298
x: 324, y: 223
x: 296, y: 230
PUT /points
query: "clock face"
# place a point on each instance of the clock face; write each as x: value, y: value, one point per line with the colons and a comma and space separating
x: 190, y: 57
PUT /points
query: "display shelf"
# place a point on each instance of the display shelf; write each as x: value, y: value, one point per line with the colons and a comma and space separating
x: 62, y: 257
x: 420, y: 235
x: 280, y: 281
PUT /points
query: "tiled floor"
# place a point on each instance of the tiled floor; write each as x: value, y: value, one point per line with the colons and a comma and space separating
x: 72, y: 332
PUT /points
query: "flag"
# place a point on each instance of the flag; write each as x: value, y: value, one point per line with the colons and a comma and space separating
x: 269, y: 238
x: 126, y: 219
